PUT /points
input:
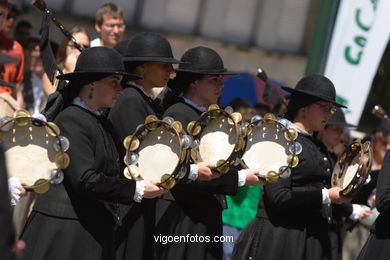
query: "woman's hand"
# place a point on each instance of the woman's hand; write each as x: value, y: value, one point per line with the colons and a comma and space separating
x: 152, y: 190
x: 205, y: 172
x: 253, y: 178
x: 336, y: 197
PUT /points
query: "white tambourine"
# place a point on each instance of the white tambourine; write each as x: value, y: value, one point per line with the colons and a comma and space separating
x: 34, y: 150
x: 271, y: 147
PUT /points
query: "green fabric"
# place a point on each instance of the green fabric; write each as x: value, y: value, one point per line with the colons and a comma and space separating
x: 242, y: 208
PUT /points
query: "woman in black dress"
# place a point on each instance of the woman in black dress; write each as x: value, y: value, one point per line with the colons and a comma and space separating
x: 195, y: 208
x: 79, y: 218
x: 378, y: 243
x: 293, y: 215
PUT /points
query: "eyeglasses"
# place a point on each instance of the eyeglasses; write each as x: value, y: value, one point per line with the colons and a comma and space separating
x: 326, y: 108
x: 71, y: 45
x: 111, y: 26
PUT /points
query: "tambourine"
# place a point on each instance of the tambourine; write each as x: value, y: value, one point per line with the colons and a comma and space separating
x: 218, y: 138
x: 158, y: 151
x: 34, y: 150
x: 271, y: 147
x: 353, y: 167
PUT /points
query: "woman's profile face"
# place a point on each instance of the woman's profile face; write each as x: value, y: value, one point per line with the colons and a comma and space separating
x: 156, y: 74
x: 317, y: 115
x: 82, y: 39
x: 107, y: 90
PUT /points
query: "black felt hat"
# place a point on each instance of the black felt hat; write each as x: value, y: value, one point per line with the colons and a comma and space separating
x: 149, y: 46
x: 317, y: 86
x: 96, y: 63
x: 203, y: 60
x: 338, y: 119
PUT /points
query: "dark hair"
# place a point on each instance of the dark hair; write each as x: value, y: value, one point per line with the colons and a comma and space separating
x: 298, y: 101
x: 177, y: 87
x: 240, y: 102
x: 110, y: 9
x: 61, y: 52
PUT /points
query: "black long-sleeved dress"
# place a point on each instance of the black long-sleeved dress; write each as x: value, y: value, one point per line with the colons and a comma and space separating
x: 195, y: 208
x: 292, y: 221
x: 130, y: 110
x: 79, y: 218
x: 378, y: 243
x: 6, y: 227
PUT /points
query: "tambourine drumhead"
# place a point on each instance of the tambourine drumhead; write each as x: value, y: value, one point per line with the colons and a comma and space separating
x: 29, y: 153
x: 217, y: 140
x: 352, y: 169
x: 266, y: 149
x: 8, y: 105
x: 350, y: 173
x: 158, y: 154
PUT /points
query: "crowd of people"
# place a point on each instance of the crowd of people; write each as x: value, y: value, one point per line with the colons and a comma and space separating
x: 101, y: 94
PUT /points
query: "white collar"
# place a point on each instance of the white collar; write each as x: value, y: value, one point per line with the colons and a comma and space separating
x: 190, y: 102
x: 147, y: 93
x: 77, y: 101
x: 301, y: 131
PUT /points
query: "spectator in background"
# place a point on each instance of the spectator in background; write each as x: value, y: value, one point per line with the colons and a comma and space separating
x: 262, y: 109
x: 13, y: 72
x: 9, y: 24
x: 67, y: 55
x: 243, y: 106
x: 32, y: 85
x: 22, y: 32
x: 110, y: 24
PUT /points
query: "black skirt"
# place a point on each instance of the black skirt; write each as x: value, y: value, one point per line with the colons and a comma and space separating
x: 57, y: 238
x: 375, y: 248
x: 260, y: 239
x: 192, y: 231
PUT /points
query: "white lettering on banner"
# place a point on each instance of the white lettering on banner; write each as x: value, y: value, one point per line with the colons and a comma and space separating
x: 359, y: 38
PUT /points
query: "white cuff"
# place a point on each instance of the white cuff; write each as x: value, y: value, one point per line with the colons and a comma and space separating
x: 193, y: 172
x: 356, y: 209
x: 139, y: 191
x: 368, y: 179
x: 241, y: 178
x: 325, y: 196
x: 14, y: 189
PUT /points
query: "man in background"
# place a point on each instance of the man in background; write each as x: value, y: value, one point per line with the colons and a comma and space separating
x: 110, y: 24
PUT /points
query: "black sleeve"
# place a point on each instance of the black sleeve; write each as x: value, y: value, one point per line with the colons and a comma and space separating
x: 383, y: 186
x: 129, y: 112
x: 342, y: 210
x: 6, y: 226
x: 285, y: 196
x: 179, y: 115
x: 227, y: 184
x: 82, y: 176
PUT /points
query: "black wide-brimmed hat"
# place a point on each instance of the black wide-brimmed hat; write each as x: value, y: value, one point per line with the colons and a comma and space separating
x: 203, y: 60
x: 338, y: 119
x: 5, y: 59
x: 96, y: 63
x: 317, y: 86
x: 149, y: 46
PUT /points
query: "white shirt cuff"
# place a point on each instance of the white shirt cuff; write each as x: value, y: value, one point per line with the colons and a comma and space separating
x: 193, y: 172
x: 368, y: 179
x: 325, y: 196
x: 241, y: 178
x: 139, y: 191
x: 14, y: 189
x: 356, y: 209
